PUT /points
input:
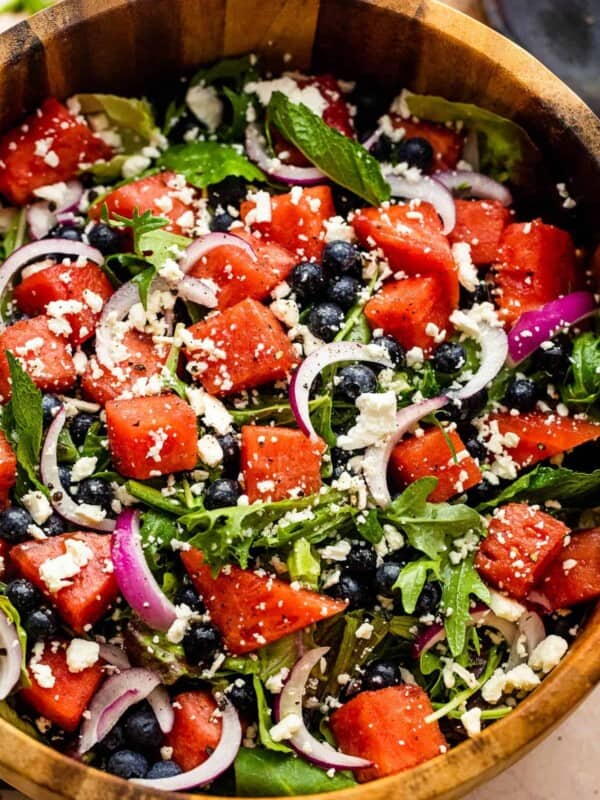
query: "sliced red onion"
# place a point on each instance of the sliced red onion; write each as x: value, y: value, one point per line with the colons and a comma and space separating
x: 530, y: 628
x: 201, y: 247
x: 115, y: 310
x: 471, y: 149
x: 198, y: 291
x: 475, y: 185
x: 286, y: 173
x: 115, y: 656
x: 376, y: 458
x: 82, y: 515
x: 290, y: 704
x: 493, y: 344
x: 434, y: 634
x: 540, y: 599
x: 117, y: 694
x: 219, y: 760
x: 10, y: 662
x: 40, y: 251
x: 41, y: 217
x: 325, y: 356
x: 372, y: 140
x: 535, y: 327
x: 134, y: 577
x: 428, y: 638
x: 430, y: 190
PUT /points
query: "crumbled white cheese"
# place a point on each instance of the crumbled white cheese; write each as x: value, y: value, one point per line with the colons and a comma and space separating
x: 310, y: 96
x: 55, y: 572
x: 286, y: 311
x: 376, y: 420
x: 505, y: 607
x: 364, y: 631
x: 276, y: 682
x: 212, y: 411
x: 471, y: 721
x: 336, y: 552
x: 83, y: 468
x: 467, y: 272
x: 42, y: 673
x: 82, y: 654
x: 205, y: 105
x: 522, y: 678
x: 38, y: 506
x: 133, y: 165
x: 286, y: 728
x: 548, y: 653
x: 210, y: 450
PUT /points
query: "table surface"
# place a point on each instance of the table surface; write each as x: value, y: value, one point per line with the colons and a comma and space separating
x: 566, y: 763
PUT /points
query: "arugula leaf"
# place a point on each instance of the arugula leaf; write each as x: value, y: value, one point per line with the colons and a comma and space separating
x: 302, y: 564
x: 412, y: 579
x: 265, y: 721
x: 207, y: 163
x: 459, y: 582
x: 131, y: 118
x: 141, y: 224
x: 11, y: 613
x: 343, y: 160
x: 155, y: 498
x: 280, y: 411
x: 157, y: 532
x: 506, y: 150
x: 582, y: 387
x: 157, y: 245
x: 22, y: 420
x: 428, y: 525
x: 546, y: 483
x: 370, y: 529
x: 149, y: 648
x: 263, y: 772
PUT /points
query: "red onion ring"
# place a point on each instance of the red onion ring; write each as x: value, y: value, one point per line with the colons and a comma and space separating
x: 111, y: 701
x: 134, y: 577
x: 115, y: 656
x: 40, y: 251
x: 303, y: 742
x: 434, y: 634
x: 371, y: 140
x: 328, y: 354
x: 532, y: 627
x: 540, y: 599
x: 430, y: 190
x: 10, y: 664
x: 471, y: 149
x: 62, y: 503
x: 376, y: 458
x: 115, y: 310
x: 299, y: 176
x: 198, y: 291
x: 479, y: 185
x: 201, y: 247
x: 535, y: 327
x: 41, y: 218
x: 493, y: 343
x: 219, y: 760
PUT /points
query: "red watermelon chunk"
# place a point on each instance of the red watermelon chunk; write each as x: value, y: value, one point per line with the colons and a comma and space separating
x: 574, y: 576
x: 388, y: 727
x: 196, y: 730
x: 520, y: 545
x: 90, y: 591
x: 252, y: 609
x: 8, y: 470
x: 480, y: 223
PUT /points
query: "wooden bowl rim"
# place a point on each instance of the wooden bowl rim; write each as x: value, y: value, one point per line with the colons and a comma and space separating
x: 473, y: 761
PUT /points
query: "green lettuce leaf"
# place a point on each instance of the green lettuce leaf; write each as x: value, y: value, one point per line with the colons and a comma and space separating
x: 207, y: 163
x: 582, y: 387
x: 343, y: 160
x: 506, y: 150
x: 264, y: 773
x: 265, y: 721
x: 302, y: 563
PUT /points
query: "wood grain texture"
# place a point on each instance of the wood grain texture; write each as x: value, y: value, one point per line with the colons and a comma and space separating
x: 130, y: 45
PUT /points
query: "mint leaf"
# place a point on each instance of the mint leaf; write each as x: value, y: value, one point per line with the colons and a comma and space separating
x: 506, y: 150
x: 22, y: 420
x: 207, y: 163
x: 459, y: 582
x: 343, y: 160
x: 264, y: 773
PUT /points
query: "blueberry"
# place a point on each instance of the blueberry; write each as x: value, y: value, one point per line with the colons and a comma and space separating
x: 386, y: 576
x: 465, y: 410
x: 104, y: 238
x: 41, y: 624
x: 352, y: 590
x: 521, y: 394
x: 201, y: 643
x: 383, y: 149
x: 14, y: 524
x: 221, y: 493
x: 54, y: 525
x: 222, y: 222
x: 339, y: 460
x: 114, y: 739
x: 354, y: 380
x: 475, y: 448
x: 185, y: 124
x: 393, y: 348
x: 341, y: 258
x: 50, y: 406
x: 163, y: 769
x: 370, y: 103
x: 70, y: 232
x: 362, y: 559
x: 482, y: 492
x: 449, y: 357
x: 127, y: 764
x: 429, y: 599
x: 231, y: 455
x: 482, y: 294
x: 80, y: 426
x: 380, y: 675
x: 189, y: 597
x: 95, y: 492
x: 345, y: 201
x: 241, y: 694
x: 325, y: 321
x: 416, y: 152
x: 64, y: 473
x: 307, y: 281
x: 23, y: 595
x: 141, y: 727
x: 343, y: 291
x: 555, y: 360
x: 230, y: 192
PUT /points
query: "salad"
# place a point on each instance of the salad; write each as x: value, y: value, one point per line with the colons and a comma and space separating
x: 299, y: 430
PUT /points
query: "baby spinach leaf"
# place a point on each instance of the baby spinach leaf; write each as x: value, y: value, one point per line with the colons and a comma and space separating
x: 505, y: 148
x: 207, y: 163
x: 269, y: 774
x: 459, y: 582
x: 583, y: 381
x: 343, y: 160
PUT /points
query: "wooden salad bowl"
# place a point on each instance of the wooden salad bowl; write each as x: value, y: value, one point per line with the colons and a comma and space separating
x: 127, y: 46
